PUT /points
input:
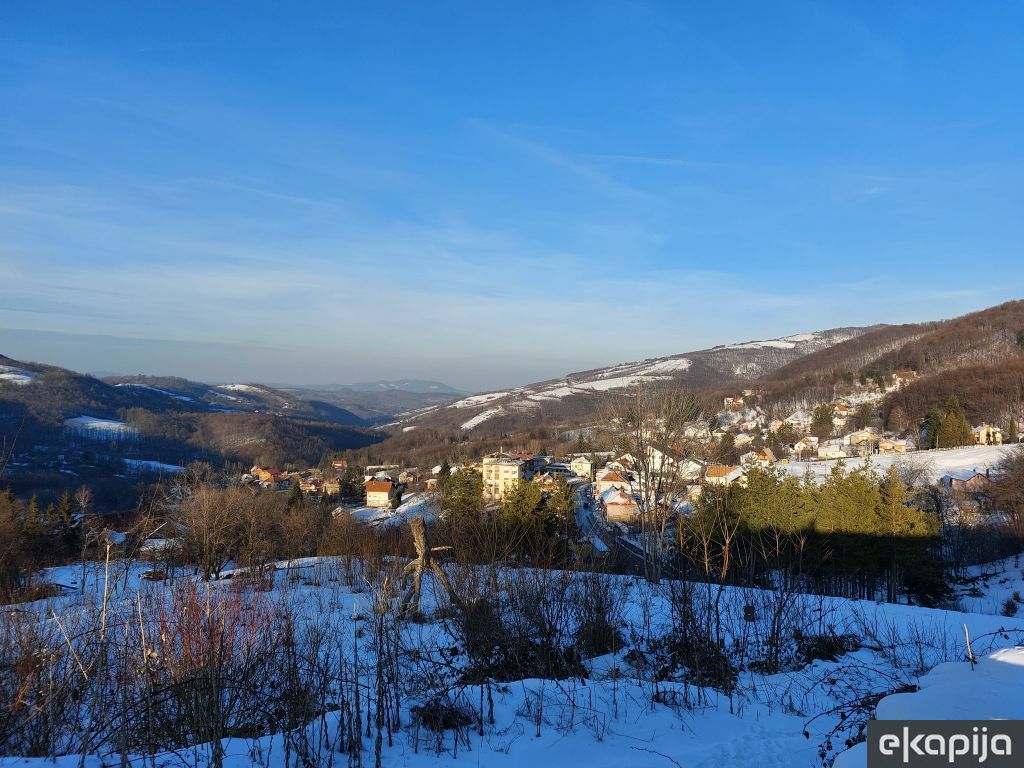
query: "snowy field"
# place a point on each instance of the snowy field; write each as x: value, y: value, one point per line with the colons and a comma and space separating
x: 12, y: 375
x: 90, y: 425
x: 614, y: 714
x: 481, y: 417
x: 414, y: 504
x: 138, y: 466
x: 988, y: 587
x: 184, y: 398
x: 936, y: 463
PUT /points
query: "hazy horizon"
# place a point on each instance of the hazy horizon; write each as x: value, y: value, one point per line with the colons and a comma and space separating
x: 491, y: 196
x: 207, y: 362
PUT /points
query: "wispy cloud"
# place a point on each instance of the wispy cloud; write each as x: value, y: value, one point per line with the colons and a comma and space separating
x: 960, y: 293
x: 567, y: 162
x: 666, y: 162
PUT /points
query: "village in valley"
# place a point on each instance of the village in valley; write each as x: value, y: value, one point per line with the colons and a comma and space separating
x: 717, y: 450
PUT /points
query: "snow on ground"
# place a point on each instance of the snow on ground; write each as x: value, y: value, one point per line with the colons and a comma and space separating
x: 137, y: 466
x: 554, y: 393
x: 12, y: 375
x: 611, y: 717
x: 102, y: 426
x: 176, y: 396
x: 771, y: 343
x: 483, y: 416
x: 628, y: 374
x: 413, y: 505
x: 988, y: 587
x: 813, y: 341
x: 619, y: 376
x: 862, y: 396
x: 474, y: 400
x: 747, y: 370
x: 644, y: 368
x: 992, y: 690
x: 787, y: 342
x: 616, y: 377
x: 618, y: 382
x: 240, y: 387
x: 667, y: 366
x: 938, y: 462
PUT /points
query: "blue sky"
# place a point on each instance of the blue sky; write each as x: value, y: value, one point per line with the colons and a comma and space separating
x: 495, y: 193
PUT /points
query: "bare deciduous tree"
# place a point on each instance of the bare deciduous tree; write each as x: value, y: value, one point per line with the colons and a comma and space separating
x: 651, y: 429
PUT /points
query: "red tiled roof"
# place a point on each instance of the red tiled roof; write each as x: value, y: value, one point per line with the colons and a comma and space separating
x: 719, y: 470
x: 378, y: 486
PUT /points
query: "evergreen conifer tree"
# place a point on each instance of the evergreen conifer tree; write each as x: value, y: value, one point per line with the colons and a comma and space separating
x: 296, y: 498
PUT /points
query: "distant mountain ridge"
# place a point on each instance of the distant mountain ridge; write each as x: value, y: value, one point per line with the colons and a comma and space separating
x: 360, y: 404
x: 577, y: 394
x: 418, y: 386
x: 146, y: 421
x: 377, y: 402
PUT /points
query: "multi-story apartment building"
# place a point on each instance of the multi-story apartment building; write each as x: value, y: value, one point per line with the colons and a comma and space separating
x: 502, y: 472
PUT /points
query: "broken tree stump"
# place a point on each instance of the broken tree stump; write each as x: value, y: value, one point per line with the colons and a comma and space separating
x: 424, y: 562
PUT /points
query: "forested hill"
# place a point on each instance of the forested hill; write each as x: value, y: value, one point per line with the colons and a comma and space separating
x: 978, y: 357
x: 59, y: 428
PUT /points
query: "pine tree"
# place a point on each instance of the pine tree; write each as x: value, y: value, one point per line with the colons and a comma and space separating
x: 12, y: 546
x: 35, y: 533
x: 521, y: 505
x: 932, y: 424
x: 725, y: 452
x: 296, y: 499
x: 865, y: 413
x: 954, y: 429
x: 351, y: 485
x: 821, y: 423
x: 443, y: 475
x: 560, y: 502
x: 463, y: 500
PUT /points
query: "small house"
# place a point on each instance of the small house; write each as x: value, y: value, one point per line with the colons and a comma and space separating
x: 722, y: 474
x: 619, y: 506
x: 966, y: 481
x: 987, y: 434
x: 583, y: 467
x: 381, y: 493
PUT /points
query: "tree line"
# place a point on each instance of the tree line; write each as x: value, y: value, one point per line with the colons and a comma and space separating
x: 858, y: 534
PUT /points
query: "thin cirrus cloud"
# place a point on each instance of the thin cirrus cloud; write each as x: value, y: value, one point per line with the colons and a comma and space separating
x: 421, y: 294
x: 454, y: 207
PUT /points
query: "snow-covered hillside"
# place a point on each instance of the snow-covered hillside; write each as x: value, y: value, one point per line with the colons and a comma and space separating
x: 90, y: 426
x: 933, y: 464
x: 183, y: 398
x: 12, y: 375
x: 615, y: 712
x: 703, y: 368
